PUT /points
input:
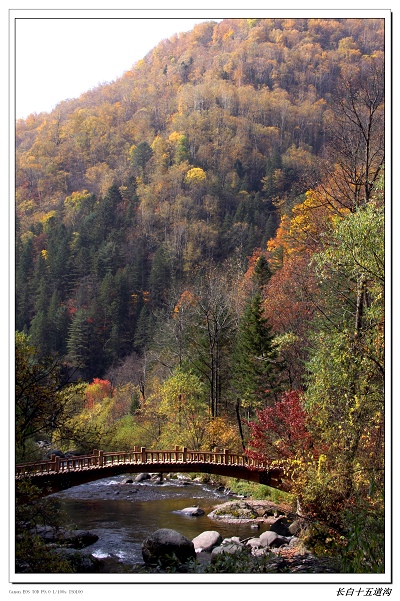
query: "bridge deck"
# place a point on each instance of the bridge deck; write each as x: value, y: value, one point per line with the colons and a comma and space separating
x: 60, y: 472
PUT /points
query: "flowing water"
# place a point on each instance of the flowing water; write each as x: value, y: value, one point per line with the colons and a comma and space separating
x: 123, y: 515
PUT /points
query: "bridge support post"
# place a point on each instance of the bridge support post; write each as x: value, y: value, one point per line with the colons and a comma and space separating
x: 226, y: 458
x: 101, y: 458
x: 57, y: 465
x: 143, y: 451
x: 184, y: 455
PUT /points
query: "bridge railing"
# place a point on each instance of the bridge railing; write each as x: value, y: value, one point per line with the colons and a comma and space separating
x: 100, y: 459
x: 57, y: 464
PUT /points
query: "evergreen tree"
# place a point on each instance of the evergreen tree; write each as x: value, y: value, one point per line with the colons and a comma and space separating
x: 24, y: 262
x: 140, y: 156
x: 107, y: 214
x: 122, y: 313
x: 256, y: 372
x: 38, y: 283
x: 38, y: 329
x: 273, y: 168
x: 38, y: 333
x: 143, y: 330
x: 58, y: 254
x: 81, y: 344
x: 262, y: 271
x: 57, y: 324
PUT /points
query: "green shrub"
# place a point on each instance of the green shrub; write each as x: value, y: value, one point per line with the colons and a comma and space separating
x: 364, y: 551
x: 32, y: 555
x: 242, y: 562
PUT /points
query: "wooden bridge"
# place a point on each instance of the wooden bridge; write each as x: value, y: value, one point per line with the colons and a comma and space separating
x: 60, y: 473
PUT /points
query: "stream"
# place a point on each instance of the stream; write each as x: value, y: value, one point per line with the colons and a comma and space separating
x: 123, y: 514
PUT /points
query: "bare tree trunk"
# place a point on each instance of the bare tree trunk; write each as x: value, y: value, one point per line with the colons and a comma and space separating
x: 239, y: 420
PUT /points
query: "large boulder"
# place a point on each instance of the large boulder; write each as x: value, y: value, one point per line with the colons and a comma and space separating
x: 254, y: 543
x: 206, y: 541
x: 75, y: 539
x: 165, y: 544
x: 79, y: 539
x: 234, y: 510
x: 281, y: 526
x: 271, y: 539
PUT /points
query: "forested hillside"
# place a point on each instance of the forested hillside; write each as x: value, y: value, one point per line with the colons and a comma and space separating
x: 200, y: 249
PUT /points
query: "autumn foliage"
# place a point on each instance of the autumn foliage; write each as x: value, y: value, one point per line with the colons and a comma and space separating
x: 280, y: 432
x: 97, y: 391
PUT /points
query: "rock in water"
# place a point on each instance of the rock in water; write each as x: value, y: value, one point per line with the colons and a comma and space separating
x: 281, y: 526
x: 75, y: 539
x: 207, y: 540
x: 164, y: 544
x: 193, y: 511
x: 142, y: 477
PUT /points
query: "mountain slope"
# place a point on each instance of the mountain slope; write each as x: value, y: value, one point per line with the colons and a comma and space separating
x: 193, y: 155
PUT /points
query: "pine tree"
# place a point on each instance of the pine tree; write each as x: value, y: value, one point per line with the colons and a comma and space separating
x: 273, y: 166
x: 23, y: 272
x: 38, y: 333
x: 106, y: 215
x: 81, y: 344
x: 58, y: 257
x: 57, y: 323
x: 38, y: 330
x: 256, y: 372
x: 143, y: 330
x: 262, y: 271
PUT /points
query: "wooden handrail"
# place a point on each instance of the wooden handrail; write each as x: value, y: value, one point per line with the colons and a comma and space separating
x: 99, y: 459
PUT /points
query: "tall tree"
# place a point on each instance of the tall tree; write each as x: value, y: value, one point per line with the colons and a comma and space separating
x: 81, y: 344
x: 140, y: 156
x: 184, y: 406
x: 38, y: 409
x: 23, y: 272
x: 346, y: 383
x: 356, y: 132
x: 212, y: 330
x: 257, y: 369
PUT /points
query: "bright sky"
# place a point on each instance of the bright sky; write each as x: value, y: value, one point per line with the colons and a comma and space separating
x: 60, y: 58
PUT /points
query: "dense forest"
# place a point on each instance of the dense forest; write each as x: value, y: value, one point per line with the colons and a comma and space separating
x: 200, y: 258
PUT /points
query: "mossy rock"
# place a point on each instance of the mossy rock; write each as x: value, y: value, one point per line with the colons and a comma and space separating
x: 237, y: 510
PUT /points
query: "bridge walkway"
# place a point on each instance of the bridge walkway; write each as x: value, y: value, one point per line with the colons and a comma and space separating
x: 60, y: 472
